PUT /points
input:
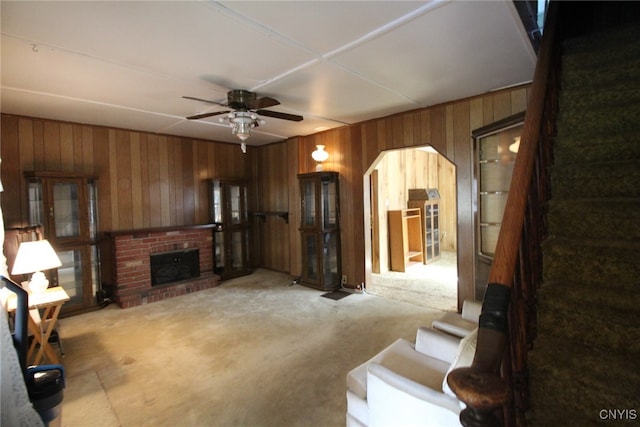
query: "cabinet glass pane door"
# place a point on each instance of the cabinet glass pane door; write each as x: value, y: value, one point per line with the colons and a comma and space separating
x: 308, y: 203
x: 329, y: 204
x: 432, y: 231
x: 235, y: 200
x: 311, y: 257
x: 237, y: 245
x: 216, y: 202
x: 66, y: 210
x: 218, y: 252
x: 36, y: 207
x: 70, y: 275
x: 330, y: 258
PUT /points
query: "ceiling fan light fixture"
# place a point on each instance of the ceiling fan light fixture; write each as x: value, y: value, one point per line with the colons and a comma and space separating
x: 242, y: 125
x: 247, y: 108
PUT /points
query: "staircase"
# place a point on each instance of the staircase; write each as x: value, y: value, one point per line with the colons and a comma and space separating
x: 585, y: 363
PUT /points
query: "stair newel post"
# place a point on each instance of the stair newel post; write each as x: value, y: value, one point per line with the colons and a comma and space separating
x: 480, y: 386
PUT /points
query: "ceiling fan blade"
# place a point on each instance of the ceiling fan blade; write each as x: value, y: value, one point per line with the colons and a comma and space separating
x: 204, y: 100
x: 264, y: 102
x: 279, y: 115
x: 203, y: 115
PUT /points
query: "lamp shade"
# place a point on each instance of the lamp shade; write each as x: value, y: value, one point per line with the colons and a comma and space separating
x: 35, y: 256
x: 320, y: 155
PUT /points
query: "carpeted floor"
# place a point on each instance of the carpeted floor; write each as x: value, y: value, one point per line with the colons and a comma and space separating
x: 434, y: 285
x: 254, y: 351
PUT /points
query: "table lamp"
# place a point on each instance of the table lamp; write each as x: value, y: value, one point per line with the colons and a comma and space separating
x: 34, y: 257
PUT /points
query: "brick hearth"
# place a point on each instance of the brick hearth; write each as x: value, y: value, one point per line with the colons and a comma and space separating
x: 126, y: 269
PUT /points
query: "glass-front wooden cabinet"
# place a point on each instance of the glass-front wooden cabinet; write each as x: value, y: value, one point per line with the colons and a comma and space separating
x: 65, y: 205
x: 231, y: 236
x: 320, y: 230
x: 430, y: 214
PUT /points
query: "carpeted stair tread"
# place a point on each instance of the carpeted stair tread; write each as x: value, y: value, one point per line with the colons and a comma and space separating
x: 595, y: 148
x: 586, y: 356
x: 585, y: 380
x: 575, y: 308
x: 602, y: 49
x: 613, y: 295
x: 599, y: 96
x: 599, y: 120
x: 579, y: 77
x: 591, y: 261
x: 600, y: 179
x: 600, y: 218
x: 603, y: 41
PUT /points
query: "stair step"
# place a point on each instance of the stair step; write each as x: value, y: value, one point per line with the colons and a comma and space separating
x: 599, y: 218
x: 579, y: 380
x: 600, y: 179
x: 600, y: 120
x: 580, y: 76
x: 603, y: 40
x: 570, y: 308
x: 612, y: 262
x: 610, y: 47
x: 594, y: 148
x: 600, y: 95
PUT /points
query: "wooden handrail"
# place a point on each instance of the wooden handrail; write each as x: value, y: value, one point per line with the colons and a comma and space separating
x: 481, y: 386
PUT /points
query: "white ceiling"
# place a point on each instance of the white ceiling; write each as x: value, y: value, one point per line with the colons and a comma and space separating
x: 128, y: 63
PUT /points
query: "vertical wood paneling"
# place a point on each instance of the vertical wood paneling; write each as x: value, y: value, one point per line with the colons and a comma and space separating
x: 113, y: 178
x: 202, y: 173
x: 86, y: 164
x: 163, y: 179
x: 78, y: 149
x: 145, y: 185
x: 123, y: 182
x: 136, y: 182
x: 155, y: 183
x: 52, y: 146
x: 502, y: 105
x: 102, y: 168
x: 38, y: 145
x: 26, y: 146
x: 12, y: 198
x: 464, y: 172
x: 66, y: 147
x: 164, y: 182
x: 518, y: 100
x: 26, y: 163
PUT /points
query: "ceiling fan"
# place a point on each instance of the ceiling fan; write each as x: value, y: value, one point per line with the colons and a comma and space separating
x: 246, y: 107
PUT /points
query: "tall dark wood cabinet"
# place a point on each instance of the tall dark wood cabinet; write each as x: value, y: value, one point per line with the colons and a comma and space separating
x: 231, y: 232
x: 65, y: 205
x: 320, y: 230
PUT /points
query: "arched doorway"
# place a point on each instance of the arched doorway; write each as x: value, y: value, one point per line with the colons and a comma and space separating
x: 433, y: 283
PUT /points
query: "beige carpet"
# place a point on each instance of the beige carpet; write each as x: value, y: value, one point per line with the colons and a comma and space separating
x: 254, y: 351
x: 434, y: 285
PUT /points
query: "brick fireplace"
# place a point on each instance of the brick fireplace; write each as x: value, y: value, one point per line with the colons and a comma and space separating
x: 126, y: 263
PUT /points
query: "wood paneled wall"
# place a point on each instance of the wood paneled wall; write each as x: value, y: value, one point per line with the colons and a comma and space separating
x: 144, y: 180
x: 401, y: 170
x: 148, y: 180
x: 354, y: 149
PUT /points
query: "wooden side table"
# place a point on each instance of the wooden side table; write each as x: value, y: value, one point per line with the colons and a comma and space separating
x: 41, y: 325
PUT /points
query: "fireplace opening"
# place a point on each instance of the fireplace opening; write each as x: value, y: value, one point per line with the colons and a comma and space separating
x: 174, y: 266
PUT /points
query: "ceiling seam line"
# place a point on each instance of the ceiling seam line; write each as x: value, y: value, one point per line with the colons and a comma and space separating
x: 389, y: 26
